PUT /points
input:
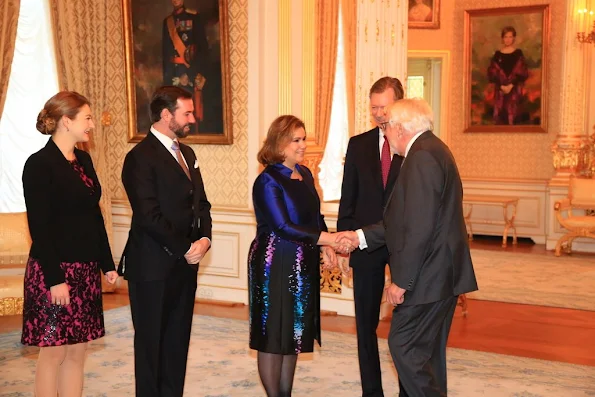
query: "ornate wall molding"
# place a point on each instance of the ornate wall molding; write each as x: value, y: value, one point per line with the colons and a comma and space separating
x: 571, y: 157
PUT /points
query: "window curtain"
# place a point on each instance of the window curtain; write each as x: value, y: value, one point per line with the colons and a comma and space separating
x: 331, y: 166
x: 327, y: 26
x: 327, y: 29
x: 31, y: 82
x: 343, y: 104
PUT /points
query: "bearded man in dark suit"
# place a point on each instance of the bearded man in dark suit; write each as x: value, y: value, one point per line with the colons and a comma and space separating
x: 169, y: 235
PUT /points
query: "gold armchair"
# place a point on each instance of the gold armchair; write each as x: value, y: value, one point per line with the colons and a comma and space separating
x: 581, y: 197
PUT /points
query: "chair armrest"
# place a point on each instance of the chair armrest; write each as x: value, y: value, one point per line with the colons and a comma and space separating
x: 562, y: 205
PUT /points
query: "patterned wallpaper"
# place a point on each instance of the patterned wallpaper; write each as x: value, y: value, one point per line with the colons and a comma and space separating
x: 507, y: 155
x: 224, y: 167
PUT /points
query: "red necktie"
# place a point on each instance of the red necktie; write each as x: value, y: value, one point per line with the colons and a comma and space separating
x: 385, y: 161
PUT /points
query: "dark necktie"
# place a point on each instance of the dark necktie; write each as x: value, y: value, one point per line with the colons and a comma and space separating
x: 385, y: 161
x: 176, y: 148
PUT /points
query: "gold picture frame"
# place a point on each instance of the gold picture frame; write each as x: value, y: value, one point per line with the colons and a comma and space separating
x: 506, y: 91
x: 423, y: 14
x: 148, y: 41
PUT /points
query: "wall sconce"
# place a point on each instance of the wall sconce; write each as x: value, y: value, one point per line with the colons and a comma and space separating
x: 586, y: 22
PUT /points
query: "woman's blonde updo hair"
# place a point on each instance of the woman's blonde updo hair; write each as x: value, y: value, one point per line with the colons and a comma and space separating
x: 64, y: 103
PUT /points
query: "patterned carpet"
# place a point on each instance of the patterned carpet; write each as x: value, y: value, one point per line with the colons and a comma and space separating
x: 221, y: 365
x: 543, y: 280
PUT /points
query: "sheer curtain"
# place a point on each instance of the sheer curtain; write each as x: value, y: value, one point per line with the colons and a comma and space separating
x: 33, y: 80
x: 331, y: 166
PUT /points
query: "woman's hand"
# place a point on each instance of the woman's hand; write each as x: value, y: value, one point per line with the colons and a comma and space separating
x: 111, y: 276
x: 329, y: 258
x: 60, y: 294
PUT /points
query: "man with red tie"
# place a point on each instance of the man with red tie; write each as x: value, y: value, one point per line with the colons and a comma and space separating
x: 369, y: 175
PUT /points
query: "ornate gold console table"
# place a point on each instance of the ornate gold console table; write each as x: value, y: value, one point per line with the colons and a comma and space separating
x: 470, y: 200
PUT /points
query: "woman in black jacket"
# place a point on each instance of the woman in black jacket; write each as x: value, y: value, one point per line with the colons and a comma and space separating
x: 63, y: 307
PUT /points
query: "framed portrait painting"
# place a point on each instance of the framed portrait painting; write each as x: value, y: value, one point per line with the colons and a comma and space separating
x: 424, y: 14
x: 505, y: 69
x: 182, y: 43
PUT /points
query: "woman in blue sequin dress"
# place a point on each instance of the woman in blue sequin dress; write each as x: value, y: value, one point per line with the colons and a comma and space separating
x: 284, y: 258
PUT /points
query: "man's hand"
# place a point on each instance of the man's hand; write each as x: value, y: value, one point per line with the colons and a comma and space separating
x: 197, y: 251
x: 329, y: 258
x: 346, y: 242
x: 395, y: 295
x: 111, y: 276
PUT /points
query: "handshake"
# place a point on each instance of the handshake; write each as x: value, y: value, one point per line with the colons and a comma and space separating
x: 333, y: 243
x: 344, y: 242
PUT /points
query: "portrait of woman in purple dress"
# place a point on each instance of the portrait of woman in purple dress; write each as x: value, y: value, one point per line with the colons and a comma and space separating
x: 508, y: 72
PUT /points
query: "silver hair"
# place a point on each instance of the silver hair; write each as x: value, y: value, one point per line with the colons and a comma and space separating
x: 413, y: 115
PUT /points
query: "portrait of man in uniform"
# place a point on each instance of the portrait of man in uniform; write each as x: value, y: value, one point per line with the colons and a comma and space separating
x: 179, y: 42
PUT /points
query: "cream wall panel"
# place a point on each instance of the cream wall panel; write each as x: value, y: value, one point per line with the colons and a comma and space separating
x: 224, y: 268
x: 223, y: 258
x: 121, y: 218
x: 531, y: 214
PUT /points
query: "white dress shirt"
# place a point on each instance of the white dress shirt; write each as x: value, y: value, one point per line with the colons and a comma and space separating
x: 167, y: 142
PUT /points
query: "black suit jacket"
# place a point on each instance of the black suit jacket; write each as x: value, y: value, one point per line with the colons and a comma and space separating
x: 169, y: 211
x: 424, y: 228
x: 64, y: 217
x: 363, y: 196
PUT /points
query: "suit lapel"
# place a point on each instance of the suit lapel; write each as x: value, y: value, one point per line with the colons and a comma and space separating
x: 400, y: 173
x: 164, y: 154
x: 416, y: 145
x: 395, y: 167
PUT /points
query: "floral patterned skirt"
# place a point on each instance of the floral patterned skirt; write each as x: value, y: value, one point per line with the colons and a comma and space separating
x: 46, y: 324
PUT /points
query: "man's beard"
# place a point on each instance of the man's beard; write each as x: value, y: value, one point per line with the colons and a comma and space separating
x: 179, y: 130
